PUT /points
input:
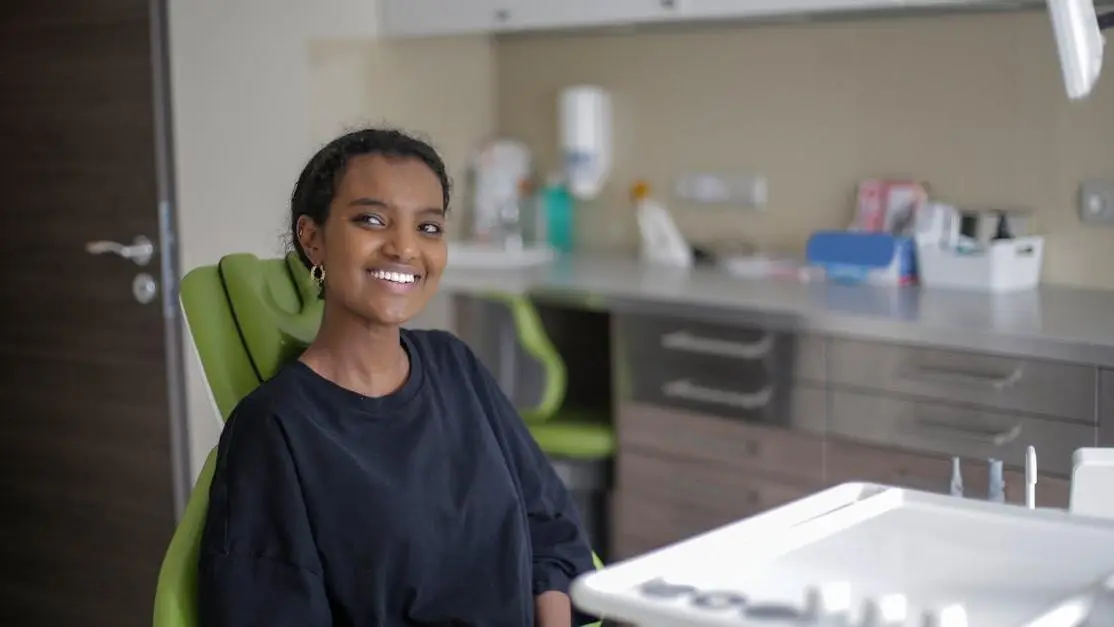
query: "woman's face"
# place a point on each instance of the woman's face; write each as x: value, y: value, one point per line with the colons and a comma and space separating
x: 383, y: 245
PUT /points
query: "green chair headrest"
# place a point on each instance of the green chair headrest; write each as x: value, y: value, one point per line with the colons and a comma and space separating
x: 276, y: 306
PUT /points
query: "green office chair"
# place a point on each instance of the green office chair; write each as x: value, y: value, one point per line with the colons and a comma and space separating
x: 247, y: 318
x: 558, y: 432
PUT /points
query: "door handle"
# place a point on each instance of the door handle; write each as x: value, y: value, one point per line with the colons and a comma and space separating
x: 141, y: 250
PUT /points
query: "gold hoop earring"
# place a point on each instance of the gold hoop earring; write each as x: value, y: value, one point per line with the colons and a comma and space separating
x: 317, y: 273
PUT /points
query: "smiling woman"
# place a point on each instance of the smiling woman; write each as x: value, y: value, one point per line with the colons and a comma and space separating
x: 383, y: 478
x: 390, y: 193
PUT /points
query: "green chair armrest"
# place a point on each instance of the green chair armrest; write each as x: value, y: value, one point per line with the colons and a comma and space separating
x: 535, y: 341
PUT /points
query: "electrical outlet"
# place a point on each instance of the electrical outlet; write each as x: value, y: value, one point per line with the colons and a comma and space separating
x: 1096, y: 202
x: 743, y: 189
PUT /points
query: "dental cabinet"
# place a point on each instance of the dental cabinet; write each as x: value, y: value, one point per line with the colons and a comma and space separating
x: 724, y: 412
x: 718, y: 422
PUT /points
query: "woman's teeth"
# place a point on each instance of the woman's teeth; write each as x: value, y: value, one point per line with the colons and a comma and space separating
x: 395, y: 277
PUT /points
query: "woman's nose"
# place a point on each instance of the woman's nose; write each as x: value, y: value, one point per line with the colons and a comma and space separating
x: 402, y: 244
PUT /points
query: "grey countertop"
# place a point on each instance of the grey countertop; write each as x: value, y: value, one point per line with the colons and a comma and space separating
x: 1060, y: 323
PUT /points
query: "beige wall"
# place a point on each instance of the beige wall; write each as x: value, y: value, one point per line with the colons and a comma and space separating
x: 442, y: 89
x: 972, y: 104
x: 259, y: 84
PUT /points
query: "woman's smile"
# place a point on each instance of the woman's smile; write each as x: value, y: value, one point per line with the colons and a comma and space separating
x: 398, y: 281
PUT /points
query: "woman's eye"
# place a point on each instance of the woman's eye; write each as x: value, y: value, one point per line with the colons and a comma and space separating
x: 370, y: 219
x: 430, y: 228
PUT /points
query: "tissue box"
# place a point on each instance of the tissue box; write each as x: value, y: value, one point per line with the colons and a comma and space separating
x: 861, y: 257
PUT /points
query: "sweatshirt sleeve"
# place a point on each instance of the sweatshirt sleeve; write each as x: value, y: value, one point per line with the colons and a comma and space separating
x: 258, y: 563
x: 560, y: 545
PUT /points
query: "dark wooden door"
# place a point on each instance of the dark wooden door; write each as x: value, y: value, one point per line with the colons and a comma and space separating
x: 86, y: 475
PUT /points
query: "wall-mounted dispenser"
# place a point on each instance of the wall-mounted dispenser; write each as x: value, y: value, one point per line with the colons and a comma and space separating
x: 586, y: 138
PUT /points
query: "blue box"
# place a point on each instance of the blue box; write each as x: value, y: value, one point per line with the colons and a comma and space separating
x: 863, y: 257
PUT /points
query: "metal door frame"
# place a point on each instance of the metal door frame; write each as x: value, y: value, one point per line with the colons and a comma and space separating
x: 168, y: 255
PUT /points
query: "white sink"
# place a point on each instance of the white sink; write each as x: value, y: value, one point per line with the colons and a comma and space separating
x: 484, y: 255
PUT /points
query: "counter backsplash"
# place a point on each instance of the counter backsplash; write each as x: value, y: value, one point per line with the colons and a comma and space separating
x: 971, y: 104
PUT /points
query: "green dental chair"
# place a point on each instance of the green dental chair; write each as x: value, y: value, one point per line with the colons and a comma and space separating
x: 247, y: 317
x: 580, y: 443
x: 560, y: 433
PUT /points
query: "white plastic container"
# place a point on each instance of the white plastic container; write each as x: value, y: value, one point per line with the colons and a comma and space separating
x: 1092, y: 475
x: 585, y: 127
x: 1004, y: 266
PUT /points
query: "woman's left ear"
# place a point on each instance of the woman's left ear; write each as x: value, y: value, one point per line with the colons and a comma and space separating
x: 309, y: 237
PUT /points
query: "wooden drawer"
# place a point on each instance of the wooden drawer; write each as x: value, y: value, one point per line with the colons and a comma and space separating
x: 846, y: 461
x: 625, y: 545
x: 734, y: 447
x: 739, y: 394
x: 711, y: 488
x: 719, y: 347
x: 1024, y: 385
x: 639, y: 526
x: 667, y: 502
x: 948, y: 430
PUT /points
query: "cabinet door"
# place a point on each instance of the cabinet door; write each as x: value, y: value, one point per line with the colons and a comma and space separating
x: 546, y: 14
x: 727, y: 9
x: 415, y: 18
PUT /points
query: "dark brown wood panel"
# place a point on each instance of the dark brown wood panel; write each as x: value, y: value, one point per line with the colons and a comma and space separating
x: 728, y: 446
x: 85, y: 462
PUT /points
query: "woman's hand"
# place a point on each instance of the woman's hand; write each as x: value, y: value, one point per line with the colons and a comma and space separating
x: 552, y: 609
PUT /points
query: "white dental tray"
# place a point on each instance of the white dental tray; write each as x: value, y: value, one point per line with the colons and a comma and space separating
x: 963, y: 562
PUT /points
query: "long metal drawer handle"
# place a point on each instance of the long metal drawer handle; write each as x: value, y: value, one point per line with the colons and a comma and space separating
x: 685, y: 341
x: 997, y: 437
x: 975, y: 379
x: 685, y: 389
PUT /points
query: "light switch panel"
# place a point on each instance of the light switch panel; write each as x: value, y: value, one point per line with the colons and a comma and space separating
x: 1096, y: 202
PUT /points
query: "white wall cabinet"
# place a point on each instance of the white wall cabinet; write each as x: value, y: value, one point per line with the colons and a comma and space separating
x: 559, y: 14
x: 410, y: 18
x: 419, y: 18
x: 733, y: 9
x: 704, y: 10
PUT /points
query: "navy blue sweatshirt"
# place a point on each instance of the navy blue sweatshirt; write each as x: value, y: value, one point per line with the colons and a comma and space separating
x: 429, y: 506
